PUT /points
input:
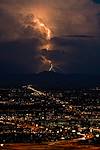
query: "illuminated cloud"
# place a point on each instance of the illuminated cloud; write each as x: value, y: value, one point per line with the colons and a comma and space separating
x: 62, y: 17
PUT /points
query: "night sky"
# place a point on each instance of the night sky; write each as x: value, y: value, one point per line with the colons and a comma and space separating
x: 74, y: 45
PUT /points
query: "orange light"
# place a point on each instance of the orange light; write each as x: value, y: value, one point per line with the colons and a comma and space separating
x: 46, y: 61
x: 42, y: 28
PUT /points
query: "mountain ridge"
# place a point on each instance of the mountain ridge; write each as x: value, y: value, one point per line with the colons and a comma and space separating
x: 51, y: 80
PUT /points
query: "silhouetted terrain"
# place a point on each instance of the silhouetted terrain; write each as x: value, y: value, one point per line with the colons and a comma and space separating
x: 51, y: 80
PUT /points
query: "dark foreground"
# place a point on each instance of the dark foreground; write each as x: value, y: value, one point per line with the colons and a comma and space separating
x: 61, y: 146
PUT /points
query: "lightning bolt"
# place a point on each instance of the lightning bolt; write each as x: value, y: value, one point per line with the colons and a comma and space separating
x: 49, y: 62
x: 45, y: 60
x: 44, y: 29
x: 52, y: 68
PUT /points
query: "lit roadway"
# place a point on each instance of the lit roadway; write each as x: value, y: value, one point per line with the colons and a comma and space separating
x: 59, y: 145
x: 36, y: 91
x: 62, y: 146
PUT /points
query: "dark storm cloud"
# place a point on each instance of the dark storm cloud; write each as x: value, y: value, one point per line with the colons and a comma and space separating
x: 19, y: 56
x: 78, y: 54
x: 8, y: 25
x: 96, y: 1
x: 71, y: 55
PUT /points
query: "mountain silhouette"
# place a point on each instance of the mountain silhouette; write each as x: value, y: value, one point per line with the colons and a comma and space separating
x: 51, y: 80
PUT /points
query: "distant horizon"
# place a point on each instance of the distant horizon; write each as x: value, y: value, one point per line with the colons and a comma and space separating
x: 47, y: 71
x: 51, y: 80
